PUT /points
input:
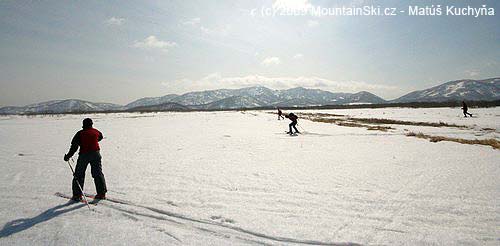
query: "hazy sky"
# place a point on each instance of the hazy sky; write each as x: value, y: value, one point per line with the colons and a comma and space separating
x: 118, y: 51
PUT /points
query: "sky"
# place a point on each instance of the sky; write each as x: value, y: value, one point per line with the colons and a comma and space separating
x: 119, y: 51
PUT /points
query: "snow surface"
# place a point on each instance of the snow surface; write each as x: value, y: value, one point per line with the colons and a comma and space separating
x: 484, y: 124
x: 232, y: 178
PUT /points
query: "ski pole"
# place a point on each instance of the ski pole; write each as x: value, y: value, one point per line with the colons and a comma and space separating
x: 301, y: 127
x: 79, y: 186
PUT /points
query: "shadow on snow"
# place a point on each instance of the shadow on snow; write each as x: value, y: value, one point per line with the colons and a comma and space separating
x: 19, y: 225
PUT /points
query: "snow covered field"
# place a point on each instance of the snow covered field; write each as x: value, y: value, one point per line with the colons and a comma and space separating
x: 483, y: 117
x: 485, y: 123
x: 231, y: 178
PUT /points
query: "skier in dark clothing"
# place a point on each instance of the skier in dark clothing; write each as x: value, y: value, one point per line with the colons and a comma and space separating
x: 87, y: 139
x: 280, y: 114
x: 465, y: 108
x: 293, y: 118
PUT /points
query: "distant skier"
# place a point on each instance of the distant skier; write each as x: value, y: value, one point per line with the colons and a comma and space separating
x: 280, y: 114
x: 293, y: 118
x: 465, y: 108
x: 87, y: 139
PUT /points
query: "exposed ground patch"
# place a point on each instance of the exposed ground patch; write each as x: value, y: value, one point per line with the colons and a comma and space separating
x: 348, y: 123
x: 380, y: 125
x: 381, y: 121
x: 489, y: 142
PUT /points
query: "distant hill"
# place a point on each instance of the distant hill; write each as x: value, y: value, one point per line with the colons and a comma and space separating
x: 61, y: 106
x: 147, y: 101
x: 235, y: 102
x: 467, y: 89
x: 169, y: 106
x: 364, y: 97
x: 259, y: 96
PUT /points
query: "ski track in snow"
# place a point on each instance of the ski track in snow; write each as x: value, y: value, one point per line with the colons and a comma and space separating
x: 198, y: 221
x: 223, y: 178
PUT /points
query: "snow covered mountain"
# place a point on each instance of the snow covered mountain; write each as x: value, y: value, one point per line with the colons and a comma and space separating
x: 235, y: 102
x: 303, y: 97
x: 264, y: 95
x: 168, y: 106
x: 470, y: 90
x: 148, y: 101
x: 259, y: 96
x: 61, y: 106
x: 250, y: 97
x: 197, y: 98
x: 363, y: 97
x: 203, y: 97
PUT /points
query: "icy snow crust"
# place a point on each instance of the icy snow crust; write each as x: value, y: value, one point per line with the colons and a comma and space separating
x: 233, y: 178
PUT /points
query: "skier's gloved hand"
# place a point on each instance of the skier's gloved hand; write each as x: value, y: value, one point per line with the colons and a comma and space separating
x: 66, y: 157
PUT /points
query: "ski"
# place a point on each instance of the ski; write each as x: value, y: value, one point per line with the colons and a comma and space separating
x: 59, y: 194
x: 107, y: 199
x: 293, y: 134
x: 96, y: 201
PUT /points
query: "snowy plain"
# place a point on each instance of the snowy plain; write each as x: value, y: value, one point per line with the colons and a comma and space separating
x: 235, y: 178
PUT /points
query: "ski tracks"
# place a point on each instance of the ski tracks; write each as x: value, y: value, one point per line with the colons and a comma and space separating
x: 224, y: 229
x: 402, y: 199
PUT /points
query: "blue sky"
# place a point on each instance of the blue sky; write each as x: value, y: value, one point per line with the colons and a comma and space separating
x: 118, y: 51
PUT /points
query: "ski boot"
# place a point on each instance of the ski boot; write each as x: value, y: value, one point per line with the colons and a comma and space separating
x: 76, y: 198
x: 100, y: 196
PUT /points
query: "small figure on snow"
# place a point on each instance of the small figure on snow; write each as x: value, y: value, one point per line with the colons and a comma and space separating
x: 293, y: 118
x: 87, y: 139
x: 280, y: 114
x: 465, y: 108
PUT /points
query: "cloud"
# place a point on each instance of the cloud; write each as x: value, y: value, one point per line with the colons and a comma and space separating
x: 192, y: 22
x: 358, y: 3
x: 196, y: 23
x: 152, y: 42
x: 312, y: 23
x: 298, y: 56
x: 217, y: 81
x: 223, y: 31
x: 491, y: 63
x: 207, y: 30
x: 293, y: 5
x: 213, y: 77
x: 472, y: 72
x: 115, y: 21
x: 273, y: 60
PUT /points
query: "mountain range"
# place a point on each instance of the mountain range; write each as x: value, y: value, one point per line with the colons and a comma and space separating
x: 467, y: 89
x: 60, y: 106
x: 259, y: 96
